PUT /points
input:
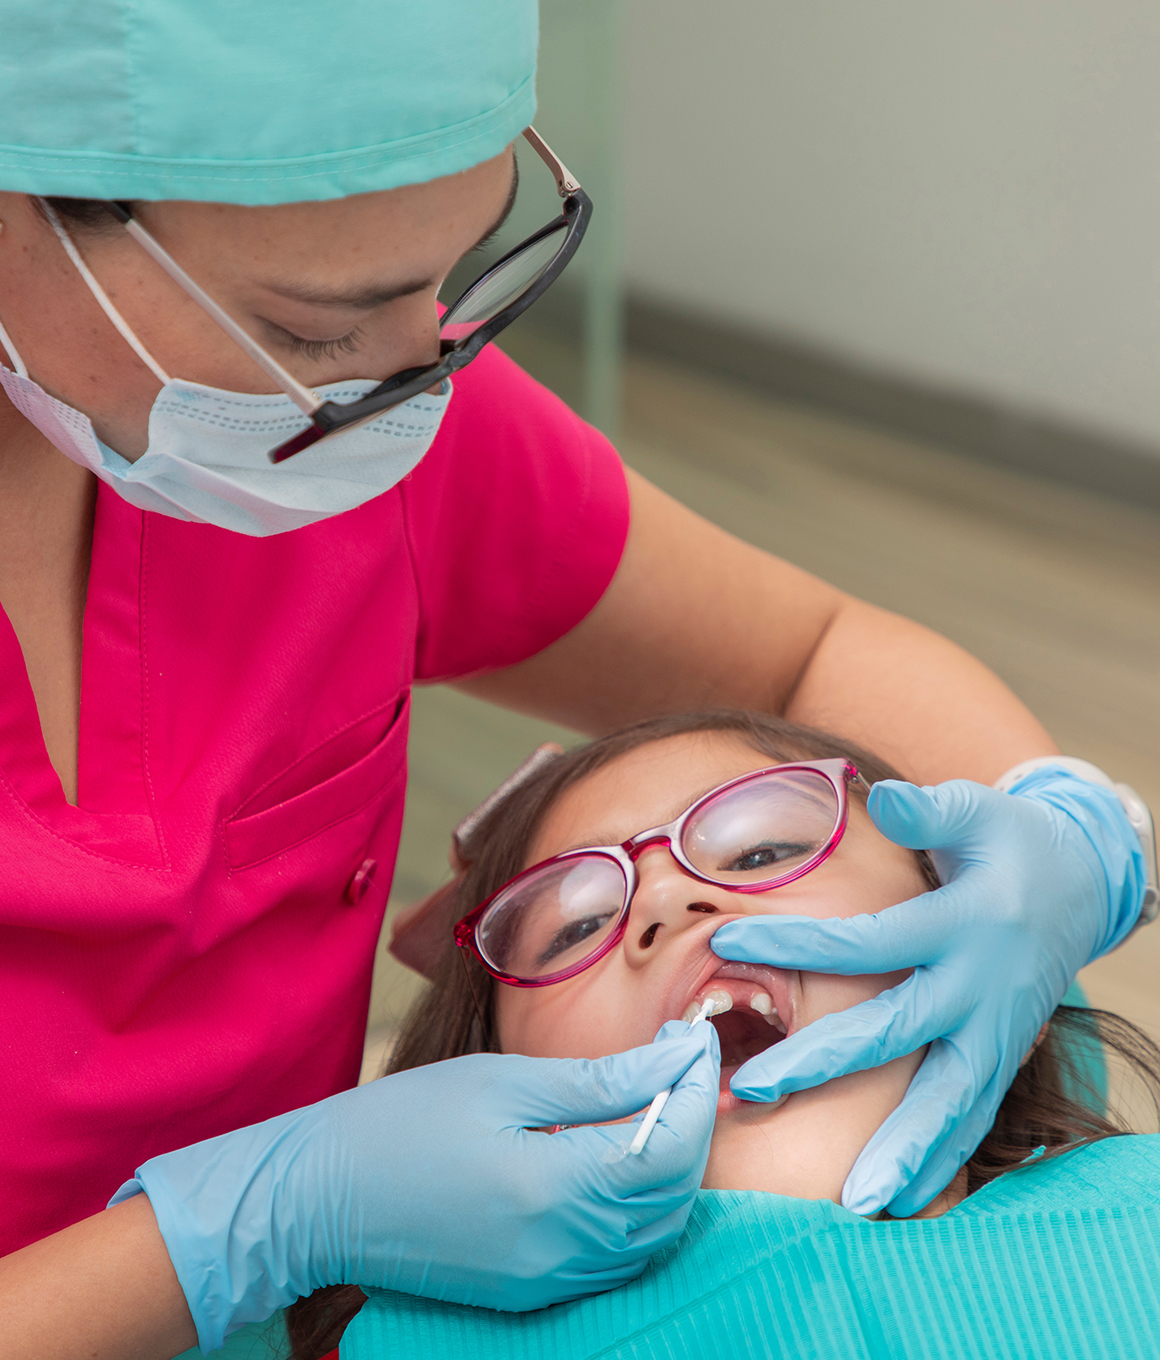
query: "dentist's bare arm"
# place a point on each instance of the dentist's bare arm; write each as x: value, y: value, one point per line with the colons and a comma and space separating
x: 695, y: 618
x: 103, y: 1289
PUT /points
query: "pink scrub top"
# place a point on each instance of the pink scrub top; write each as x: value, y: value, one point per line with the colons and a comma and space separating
x: 189, y: 949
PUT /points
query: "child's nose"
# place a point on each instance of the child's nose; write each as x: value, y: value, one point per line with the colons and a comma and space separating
x: 668, y: 900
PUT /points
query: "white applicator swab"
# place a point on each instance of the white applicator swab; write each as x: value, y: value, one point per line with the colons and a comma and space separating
x: 716, y: 1003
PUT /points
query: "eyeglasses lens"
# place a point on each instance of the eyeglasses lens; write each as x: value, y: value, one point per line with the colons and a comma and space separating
x: 552, y: 919
x: 501, y: 286
x: 762, y: 830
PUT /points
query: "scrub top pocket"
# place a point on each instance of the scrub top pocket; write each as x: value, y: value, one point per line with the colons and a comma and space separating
x: 323, y: 788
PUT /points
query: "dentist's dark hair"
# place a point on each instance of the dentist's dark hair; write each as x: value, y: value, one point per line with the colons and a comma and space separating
x: 1053, y: 1103
x: 80, y: 214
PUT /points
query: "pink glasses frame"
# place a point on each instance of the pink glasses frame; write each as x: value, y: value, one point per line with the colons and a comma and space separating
x: 838, y: 772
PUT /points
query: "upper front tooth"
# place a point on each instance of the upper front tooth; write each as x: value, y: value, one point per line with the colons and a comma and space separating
x: 716, y: 1002
x: 762, y: 1003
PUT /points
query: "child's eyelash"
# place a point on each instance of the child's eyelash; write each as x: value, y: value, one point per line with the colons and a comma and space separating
x: 324, y: 349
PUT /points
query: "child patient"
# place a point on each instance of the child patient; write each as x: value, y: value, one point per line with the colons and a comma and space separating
x: 590, y: 953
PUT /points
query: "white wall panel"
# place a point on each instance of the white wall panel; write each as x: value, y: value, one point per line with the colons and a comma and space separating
x: 968, y: 194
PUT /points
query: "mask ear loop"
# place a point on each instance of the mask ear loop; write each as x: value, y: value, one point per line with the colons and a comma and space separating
x: 102, y: 298
x: 18, y: 366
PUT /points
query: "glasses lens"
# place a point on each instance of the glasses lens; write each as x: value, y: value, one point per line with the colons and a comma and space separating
x: 553, y: 918
x: 500, y: 286
x: 763, y: 829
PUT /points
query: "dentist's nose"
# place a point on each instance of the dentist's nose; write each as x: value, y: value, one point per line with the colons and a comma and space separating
x: 667, y: 902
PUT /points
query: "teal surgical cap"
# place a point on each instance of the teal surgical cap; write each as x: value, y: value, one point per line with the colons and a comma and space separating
x: 257, y: 101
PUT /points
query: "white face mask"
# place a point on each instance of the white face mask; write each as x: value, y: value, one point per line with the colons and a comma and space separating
x: 207, y: 460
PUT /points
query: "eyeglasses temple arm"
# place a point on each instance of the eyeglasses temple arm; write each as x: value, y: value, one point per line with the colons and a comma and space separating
x: 484, y: 1036
x: 302, y: 397
x: 565, y: 181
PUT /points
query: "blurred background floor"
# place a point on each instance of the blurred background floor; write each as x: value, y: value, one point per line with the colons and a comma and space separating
x: 1055, y: 589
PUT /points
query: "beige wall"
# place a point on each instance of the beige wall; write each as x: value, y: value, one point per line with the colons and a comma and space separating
x: 965, y: 193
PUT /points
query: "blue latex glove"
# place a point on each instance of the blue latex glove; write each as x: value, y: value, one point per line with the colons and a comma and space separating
x: 432, y: 1182
x: 1038, y: 882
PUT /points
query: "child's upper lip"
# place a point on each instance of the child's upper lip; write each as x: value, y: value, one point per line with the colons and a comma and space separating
x: 743, y: 981
x: 770, y: 992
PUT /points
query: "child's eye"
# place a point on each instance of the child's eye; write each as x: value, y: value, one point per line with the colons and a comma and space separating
x: 574, y: 933
x: 764, y: 856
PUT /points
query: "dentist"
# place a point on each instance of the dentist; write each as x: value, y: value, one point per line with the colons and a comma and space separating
x: 252, y: 489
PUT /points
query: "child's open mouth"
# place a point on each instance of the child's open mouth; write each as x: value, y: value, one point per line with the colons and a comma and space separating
x: 760, y: 1013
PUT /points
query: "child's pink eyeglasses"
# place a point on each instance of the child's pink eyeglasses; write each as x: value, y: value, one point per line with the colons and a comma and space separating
x: 754, y: 833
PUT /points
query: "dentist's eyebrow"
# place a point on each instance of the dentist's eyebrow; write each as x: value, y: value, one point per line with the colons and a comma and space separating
x: 359, y: 298
x: 365, y: 297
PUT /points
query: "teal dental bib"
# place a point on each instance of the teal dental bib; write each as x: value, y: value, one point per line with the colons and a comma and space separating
x: 1057, y: 1261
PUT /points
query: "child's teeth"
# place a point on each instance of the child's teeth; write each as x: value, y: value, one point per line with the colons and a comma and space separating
x: 762, y: 1003
x: 716, y: 1002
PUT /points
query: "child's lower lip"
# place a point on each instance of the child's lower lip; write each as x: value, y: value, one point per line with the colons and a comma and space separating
x: 727, y: 1102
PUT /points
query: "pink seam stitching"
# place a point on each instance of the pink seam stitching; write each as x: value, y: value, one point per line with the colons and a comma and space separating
x: 416, y: 580
x: 354, y: 722
x: 145, y: 772
x: 23, y: 807
x: 573, y: 536
x: 284, y: 849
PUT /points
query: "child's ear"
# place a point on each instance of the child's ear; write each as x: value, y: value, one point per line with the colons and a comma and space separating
x: 1039, y: 1038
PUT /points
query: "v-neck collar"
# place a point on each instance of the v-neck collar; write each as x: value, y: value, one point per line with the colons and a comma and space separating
x: 113, y: 817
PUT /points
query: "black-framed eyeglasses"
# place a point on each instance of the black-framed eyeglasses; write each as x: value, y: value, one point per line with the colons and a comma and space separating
x: 478, y: 315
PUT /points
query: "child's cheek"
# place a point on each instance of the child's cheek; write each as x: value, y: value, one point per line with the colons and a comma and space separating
x: 827, y: 993
x: 831, y: 890
x: 533, y: 1025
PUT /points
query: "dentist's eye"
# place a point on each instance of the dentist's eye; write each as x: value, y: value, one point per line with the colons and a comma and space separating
x: 323, y: 349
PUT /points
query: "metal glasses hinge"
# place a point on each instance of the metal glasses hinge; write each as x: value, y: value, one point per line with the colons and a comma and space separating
x: 566, y: 182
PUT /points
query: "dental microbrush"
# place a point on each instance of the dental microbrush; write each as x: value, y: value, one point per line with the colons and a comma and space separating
x: 716, y: 1003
